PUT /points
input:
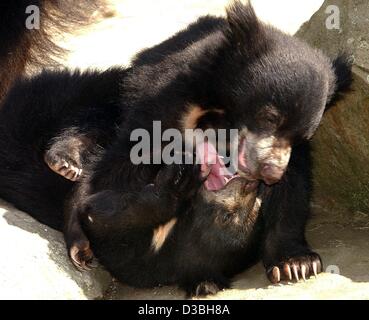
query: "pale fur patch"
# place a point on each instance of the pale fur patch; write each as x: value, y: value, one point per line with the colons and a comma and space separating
x: 191, y: 117
x: 193, y: 114
x: 271, y: 150
x: 161, y: 233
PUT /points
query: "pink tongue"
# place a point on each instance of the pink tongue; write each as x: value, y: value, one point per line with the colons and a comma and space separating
x: 210, y: 160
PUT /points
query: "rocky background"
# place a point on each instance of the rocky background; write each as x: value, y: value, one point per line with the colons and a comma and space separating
x: 34, y: 264
x: 341, y: 146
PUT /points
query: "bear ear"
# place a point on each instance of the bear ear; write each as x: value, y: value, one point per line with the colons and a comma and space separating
x: 245, y: 31
x: 342, y: 67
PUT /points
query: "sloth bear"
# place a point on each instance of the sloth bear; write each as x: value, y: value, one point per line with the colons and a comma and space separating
x: 65, y: 148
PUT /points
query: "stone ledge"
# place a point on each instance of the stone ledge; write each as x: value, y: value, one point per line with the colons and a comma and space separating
x: 34, y: 263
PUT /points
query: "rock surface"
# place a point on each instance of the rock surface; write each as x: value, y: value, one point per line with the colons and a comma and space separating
x: 341, y: 155
x: 34, y: 263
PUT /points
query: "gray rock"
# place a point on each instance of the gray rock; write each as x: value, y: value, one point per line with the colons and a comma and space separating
x: 341, y: 146
x: 34, y: 263
x: 352, y: 34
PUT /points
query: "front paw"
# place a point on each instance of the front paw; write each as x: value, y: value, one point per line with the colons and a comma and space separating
x: 295, y: 268
x: 81, y: 255
x: 64, y: 165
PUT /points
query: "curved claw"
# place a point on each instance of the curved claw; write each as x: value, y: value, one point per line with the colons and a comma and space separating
x: 82, y: 257
x: 315, y: 269
x: 276, y: 274
x: 303, y: 272
x: 295, y: 272
x: 287, y: 271
x: 69, y: 170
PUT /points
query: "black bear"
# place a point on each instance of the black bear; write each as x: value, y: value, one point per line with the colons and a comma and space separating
x: 153, y: 224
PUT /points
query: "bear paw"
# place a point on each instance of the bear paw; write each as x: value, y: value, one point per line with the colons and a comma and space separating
x: 294, y: 268
x: 64, y: 166
x: 81, y: 255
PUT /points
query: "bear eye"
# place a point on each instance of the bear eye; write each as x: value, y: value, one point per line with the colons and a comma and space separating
x: 269, y: 117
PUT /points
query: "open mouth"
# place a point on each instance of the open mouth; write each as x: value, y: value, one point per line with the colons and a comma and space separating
x: 213, y: 167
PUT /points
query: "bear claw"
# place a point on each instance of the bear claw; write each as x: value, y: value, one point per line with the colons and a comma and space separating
x: 64, y: 168
x: 295, y: 268
x: 82, y: 256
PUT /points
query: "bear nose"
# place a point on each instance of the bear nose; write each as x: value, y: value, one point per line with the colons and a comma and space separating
x: 271, y: 173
